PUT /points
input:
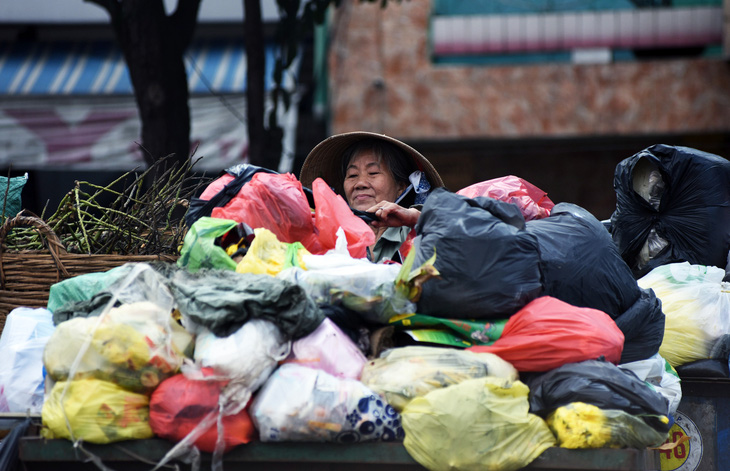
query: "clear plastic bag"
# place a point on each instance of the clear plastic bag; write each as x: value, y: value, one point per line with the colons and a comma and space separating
x: 400, y: 374
x: 23, y: 339
x: 661, y: 376
x: 304, y: 404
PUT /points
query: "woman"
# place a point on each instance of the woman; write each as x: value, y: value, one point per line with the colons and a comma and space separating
x: 377, y: 174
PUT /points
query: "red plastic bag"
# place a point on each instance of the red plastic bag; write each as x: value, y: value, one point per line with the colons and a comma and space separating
x: 216, y: 185
x: 548, y: 333
x: 331, y: 213
x: 532, y: 201
x: 276, y: 202
x: 179, y: 404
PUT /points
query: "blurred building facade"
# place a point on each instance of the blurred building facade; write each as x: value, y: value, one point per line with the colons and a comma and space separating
x: 556, y: 92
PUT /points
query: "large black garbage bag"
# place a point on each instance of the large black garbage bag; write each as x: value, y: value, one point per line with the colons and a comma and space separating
x: 488, y: 262
x: 242, y: 174
x: 602, y: 384
x: 672, y: 205
x: 581, y: 266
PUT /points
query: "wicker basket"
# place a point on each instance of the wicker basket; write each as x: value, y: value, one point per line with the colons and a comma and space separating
x: 26, y: 276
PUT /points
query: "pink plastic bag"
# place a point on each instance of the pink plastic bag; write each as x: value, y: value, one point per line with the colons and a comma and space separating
x: 331, y: 213
x: 548, y: 333
x: 328, y: 349
x: 532, y: 201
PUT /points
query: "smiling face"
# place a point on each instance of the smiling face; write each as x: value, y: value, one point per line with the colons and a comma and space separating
x: 368, y: 180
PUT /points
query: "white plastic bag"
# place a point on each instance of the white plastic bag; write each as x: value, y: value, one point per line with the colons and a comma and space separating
x: 659, y: 374
x: 304, y: 404
x: 329, y: 349
x: 22, y: 342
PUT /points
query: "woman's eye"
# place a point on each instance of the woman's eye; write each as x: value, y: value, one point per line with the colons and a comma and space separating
x: 351, y: 176
x: 373, y: 173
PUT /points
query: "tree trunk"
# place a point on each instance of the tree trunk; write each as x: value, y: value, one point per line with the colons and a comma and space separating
x: 153, y: 45
x: 253, y: 33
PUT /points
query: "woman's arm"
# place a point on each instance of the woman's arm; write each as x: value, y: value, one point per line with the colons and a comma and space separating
x: 393, y: 215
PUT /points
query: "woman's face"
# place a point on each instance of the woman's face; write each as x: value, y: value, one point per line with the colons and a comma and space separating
x: 368, y: 181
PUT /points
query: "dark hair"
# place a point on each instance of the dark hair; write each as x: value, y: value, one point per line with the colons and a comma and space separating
x: 398, y: 162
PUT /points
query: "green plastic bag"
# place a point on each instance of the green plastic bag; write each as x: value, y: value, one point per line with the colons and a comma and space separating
x: 14, y: 187
x: 199, y: 249
x: 479, y: 424
x: 84, y: 287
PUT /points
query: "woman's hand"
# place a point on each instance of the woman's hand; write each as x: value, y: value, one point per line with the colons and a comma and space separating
x: 392, y: 215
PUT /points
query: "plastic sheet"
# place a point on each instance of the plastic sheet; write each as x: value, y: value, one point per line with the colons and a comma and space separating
x: 403, y: 373
x: 548, y: 333
x: 479, y: 424
x: 696, y: 305
x: 22, y: 342
x: 303, y: 404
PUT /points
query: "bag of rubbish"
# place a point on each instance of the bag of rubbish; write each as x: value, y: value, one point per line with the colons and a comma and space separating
x: 548, y: 333
x: 304, y: 404
x: 268, y: 256
x: 659, y: 374
x: 672, y: 206
x: 12, y: 189
x: 199, y: 248
x: 580, y: 425
x: 360, y: 285
x: 328, y: 349
x: 179, y: 405
x: 135, y: 346
x: 601, y: 384
x: 221, y: 190
x: 476, y: 283
x: 532, y: 201
x: 84, y: 287
x: 478, y: 424
x: 467, y: 332
x: 248, y: 356
x: 23, y: 339
x: 276, y: 202
x: 97, y: 412
x: 696, y: 305
x: 400, y: 374
x: 581, y: 266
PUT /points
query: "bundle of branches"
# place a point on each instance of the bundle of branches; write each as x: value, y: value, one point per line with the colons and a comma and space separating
x: 136, y: 214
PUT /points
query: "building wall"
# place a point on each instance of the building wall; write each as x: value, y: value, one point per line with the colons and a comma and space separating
x: 473, y: 117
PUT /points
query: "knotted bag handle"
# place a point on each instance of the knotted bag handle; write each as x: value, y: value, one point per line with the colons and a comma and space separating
x: 50, y: 240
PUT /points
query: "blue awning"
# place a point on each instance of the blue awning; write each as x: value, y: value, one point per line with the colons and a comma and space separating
x: 98, y: 68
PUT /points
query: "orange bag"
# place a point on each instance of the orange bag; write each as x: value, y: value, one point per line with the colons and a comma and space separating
x: 331, y: 213
x: 532, y: 201
x: 179, y: 404
x: 548, y: 333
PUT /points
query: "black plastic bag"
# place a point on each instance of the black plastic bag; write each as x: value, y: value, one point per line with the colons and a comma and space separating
x: 488, y: 262
x: 9, y: 460
x: 672, y: 205
x: 602, y: 384
x: 581, y: 266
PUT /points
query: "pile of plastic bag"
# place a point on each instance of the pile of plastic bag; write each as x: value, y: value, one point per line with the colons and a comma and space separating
x: 513, y: 325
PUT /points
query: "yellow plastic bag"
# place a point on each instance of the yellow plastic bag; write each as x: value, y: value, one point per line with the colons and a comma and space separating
x: 478, y: 425
x: 135, y: 345
x: 581, y: 425
x: 696, y: 305
x: 400, y: 374
x: 97, y: 411
x: 268, y: 256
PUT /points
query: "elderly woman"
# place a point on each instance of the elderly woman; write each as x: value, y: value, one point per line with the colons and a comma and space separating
x: 377, y: 174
